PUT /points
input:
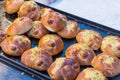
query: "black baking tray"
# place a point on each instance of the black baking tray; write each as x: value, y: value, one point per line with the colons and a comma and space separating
x: 83, y: 24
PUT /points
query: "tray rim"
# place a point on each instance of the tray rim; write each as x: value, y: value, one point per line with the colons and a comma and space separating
x: 21, y: 67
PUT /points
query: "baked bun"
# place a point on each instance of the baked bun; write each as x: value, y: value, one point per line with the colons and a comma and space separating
x: 111, y: 44
x: 70, y: 30
x: 29, y: 9
x: 2, y: 36
x: 91, y: 74
x: 38, y: 30
x: 92, y: 38
x: 51, y: 43
x: 15, y: 45
x: 108, y: 64
x: 45, y: 11
x: 36, y: 58
x: 63, y: 69
x: 81, y: 53
x: 19, y: 26
x: 12, y: 6
x: 54, y: 21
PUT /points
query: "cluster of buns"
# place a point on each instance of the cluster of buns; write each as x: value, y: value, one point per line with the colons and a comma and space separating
x: 37, y: 22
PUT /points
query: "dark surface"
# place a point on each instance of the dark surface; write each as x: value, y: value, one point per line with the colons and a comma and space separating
x: 15, y: 61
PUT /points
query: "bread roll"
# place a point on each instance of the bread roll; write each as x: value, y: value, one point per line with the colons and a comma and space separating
x: 91, y: 74
x: 111, y: 44
x: 54, y: 21
x: 36, y: 58
x: 38, y: 30
x: 92, y: 38
x: 81, y: 53
x: 108, y: 64
x: 29, y: 9
x: 70, y: 30
x: 19, y: 26
x: 51, y: 43
x: 2, y: 36
x: 63, y: 69
x: 15, y: 45
x: 12, y: 6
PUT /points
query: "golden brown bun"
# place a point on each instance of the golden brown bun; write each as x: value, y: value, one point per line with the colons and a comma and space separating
x: 108, y: 64
x: 29, y: 9
x: 15, y: 45
x: 63, y: 69
x: 70, y: 30
x: 19, y: 26
x: 52, y: 43
x: 2, y: 36
x: 81, y: 53
x: 111, y: 44
x: 36, y: 58
x: 12, y: 6
x: 45, y: 11
x: 91, y: 74
x: 38, y: 30
x: 54, y: 21
x: 92, y: 38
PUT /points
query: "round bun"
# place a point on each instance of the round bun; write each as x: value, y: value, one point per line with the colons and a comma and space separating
x: 92, y: 38
x: 108, y: 64
x: 63, y: 69
x: 19, y: 26
x: 81, y: 53
x: 29, y: 9
x: 38, y: 30
x: 54, y: 21
x: 91, y: 74
x: 111, y: 44
x: 15, y: 45
x: 52, y: 43
x: 36, y: 58
x: 12, y: 6
x: 2, y: 36
x: 70, y: 30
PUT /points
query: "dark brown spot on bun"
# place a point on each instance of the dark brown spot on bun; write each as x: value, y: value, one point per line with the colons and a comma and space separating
x: 84, y: 54
x: 50, y: 21
x: 52, y: 44
x: 40, y: 63
x: 14, y: 48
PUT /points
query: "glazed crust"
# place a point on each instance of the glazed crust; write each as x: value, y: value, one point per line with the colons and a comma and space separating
x: 12, y: 6
x: 70, y: 30
x: 29, y: 9
x: 51, y: 43
x: 19, y: 26
x: 108, y: 64
x: 63, y: 69
x: 15, y: 45
x: 36, y: 58
x: 92, y: 38
x: 45, y: 11
x: 38, y: 30
x: 111, y: 44
x: 91, y: 74
x: 81, y: 53
x: 54, y: 21
x: 2, y: 36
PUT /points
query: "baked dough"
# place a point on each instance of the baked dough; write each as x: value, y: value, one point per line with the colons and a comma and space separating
x: 15, y: 45
x: 51, y: 43
x: 36, y: 58
x: 63, y: 69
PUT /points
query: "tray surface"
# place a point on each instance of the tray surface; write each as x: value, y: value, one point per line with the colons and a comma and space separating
x: 83, y: 24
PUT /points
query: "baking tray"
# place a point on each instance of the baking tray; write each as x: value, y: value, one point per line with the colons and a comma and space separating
x: 83, y: 24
